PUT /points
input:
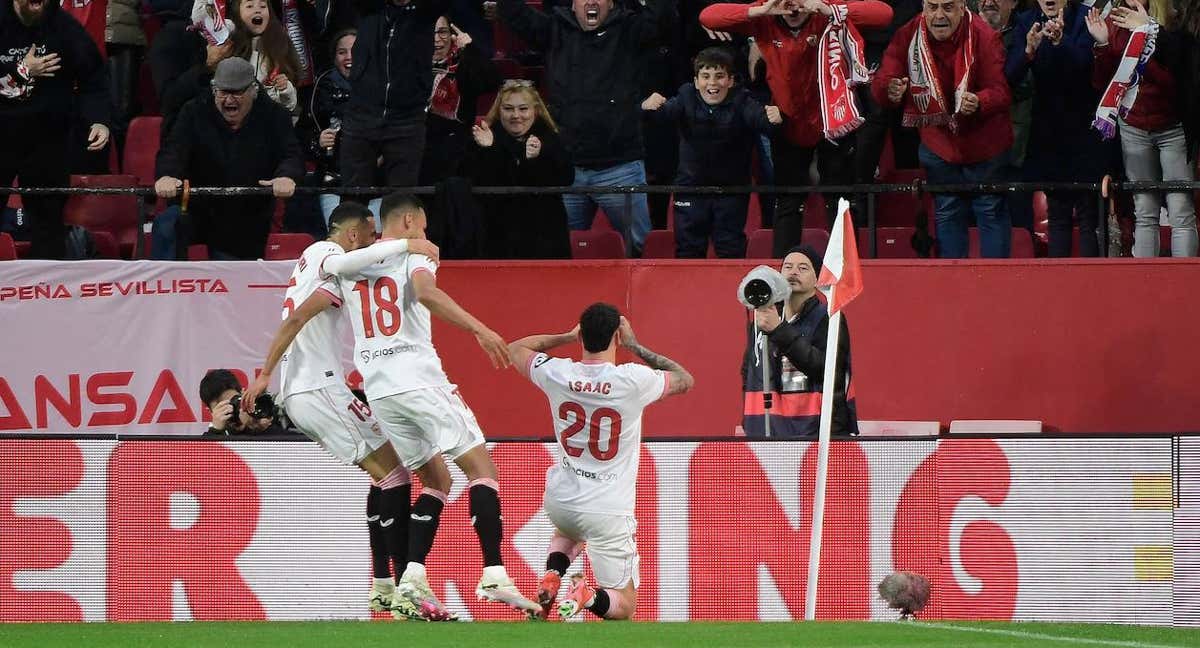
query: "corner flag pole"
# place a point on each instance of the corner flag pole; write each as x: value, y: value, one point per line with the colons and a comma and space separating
x: 818, y: 507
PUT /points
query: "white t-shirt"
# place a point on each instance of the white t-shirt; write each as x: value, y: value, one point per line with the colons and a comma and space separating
x: 597, y: 412
x: 312, y: 361
x: 393, y: 336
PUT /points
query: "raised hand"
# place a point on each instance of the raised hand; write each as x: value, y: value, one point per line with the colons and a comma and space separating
x: 494, y: 346
x: 1097, y: 27
x: 97, y: 137
x: 328, y: 138
x: 483, y: 134
x: 814, y: 6
x: 773, y: 8
x: 654, y: 102
x: 774, y: 115
x: 280, y: 187
x: 167, y: 187
x: 533, y: 147
x: 425, y: 247
x: 896, y: 89
x: 280, y: 82
x: 1054, y: 30
x: 1033, y: 40
x: 970, y: 103
x: 41, y: 66
x: 1131, y: 17
x: 461, y: 38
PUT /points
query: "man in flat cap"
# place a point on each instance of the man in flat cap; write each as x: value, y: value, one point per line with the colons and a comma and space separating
x: 237, y: 137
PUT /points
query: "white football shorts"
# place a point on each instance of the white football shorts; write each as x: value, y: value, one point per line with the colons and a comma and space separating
x: 425, y: 422
x: 611, y: 547
x: 334, y: 418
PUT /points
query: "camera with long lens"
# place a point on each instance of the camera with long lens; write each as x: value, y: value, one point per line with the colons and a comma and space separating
x: 761, y: 286
x: 264, y: 405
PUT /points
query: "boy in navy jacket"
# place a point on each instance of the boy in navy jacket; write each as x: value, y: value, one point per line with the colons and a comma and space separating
x: 718, y: 125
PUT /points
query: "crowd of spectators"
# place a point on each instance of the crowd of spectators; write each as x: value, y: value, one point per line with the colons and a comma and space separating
x: 461, y: 93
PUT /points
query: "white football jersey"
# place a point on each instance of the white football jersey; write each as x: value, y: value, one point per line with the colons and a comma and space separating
x: 393, y: 335
x: 312, y: 361
x: 597, y: 412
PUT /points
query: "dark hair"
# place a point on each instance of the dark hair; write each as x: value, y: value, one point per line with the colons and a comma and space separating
x: 597, y: 325
x: 337, y: 36
x: 398, y: 204
x: 217, y: 382
x: 713, y: 57
x: 346, y: 212
x: 276, y: 47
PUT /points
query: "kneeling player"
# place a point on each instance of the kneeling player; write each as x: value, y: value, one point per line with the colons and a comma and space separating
x: 592, y: 489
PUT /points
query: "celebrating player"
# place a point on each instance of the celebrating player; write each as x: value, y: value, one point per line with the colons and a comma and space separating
x: 315, y: 396
x: 390, y: 306
x: 591, y: 490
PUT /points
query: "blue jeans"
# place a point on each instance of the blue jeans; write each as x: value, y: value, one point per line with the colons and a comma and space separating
x: 633, y: 223
x: 162, y: 234
x: 954, y: 211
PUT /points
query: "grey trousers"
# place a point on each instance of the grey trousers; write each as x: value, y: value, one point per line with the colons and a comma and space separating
x: 1160, y: 156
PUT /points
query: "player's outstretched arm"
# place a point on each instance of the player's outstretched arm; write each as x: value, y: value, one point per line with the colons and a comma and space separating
x: 445, y: 308
x: 681, y: 380
x: 351, y: 263
x: 291, y: 327
x: 523, y: 349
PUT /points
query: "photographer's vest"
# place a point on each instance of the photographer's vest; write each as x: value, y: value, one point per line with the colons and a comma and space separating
x: 795, y: 396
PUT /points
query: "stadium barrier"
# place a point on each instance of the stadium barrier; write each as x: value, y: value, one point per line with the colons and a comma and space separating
x: 1086, y: 346
x: 1106, y: 191
x: 1097, y: 530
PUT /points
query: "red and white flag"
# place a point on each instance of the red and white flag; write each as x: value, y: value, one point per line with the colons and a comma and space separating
x: 841, y: 270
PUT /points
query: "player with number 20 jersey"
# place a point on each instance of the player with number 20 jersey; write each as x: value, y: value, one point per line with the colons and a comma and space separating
x: 591, y: 491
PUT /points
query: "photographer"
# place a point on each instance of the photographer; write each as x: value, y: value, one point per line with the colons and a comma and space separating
x: 797, y: 337
x: 221, y: 392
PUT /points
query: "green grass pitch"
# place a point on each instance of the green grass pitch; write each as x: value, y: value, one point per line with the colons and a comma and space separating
x: 609, y: 635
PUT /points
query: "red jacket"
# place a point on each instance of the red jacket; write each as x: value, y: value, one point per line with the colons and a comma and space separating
x: 1157, y: 104
x: 792, y: 58
x: 986, y: 133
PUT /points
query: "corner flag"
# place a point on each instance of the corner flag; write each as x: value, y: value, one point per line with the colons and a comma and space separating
x: 841, y: 269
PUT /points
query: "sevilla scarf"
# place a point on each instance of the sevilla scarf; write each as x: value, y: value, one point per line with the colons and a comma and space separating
x: 927, y: 106
x: 295, y: 31
x: 445, y: 99
x: 1122, y: 90
x: 839, y: 69
x: 208, y: 18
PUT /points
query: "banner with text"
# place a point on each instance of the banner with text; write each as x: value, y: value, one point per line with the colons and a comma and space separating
x: 1019, y: 529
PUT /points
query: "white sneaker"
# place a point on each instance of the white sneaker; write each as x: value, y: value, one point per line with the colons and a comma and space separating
x: 495, y: 585
x: 381, y: 597
x: 415, y: 600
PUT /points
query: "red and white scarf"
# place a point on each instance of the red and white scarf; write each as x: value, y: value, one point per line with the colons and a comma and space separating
x: 926, y: 105
x: 446, y: 98
x: 1122, y: 90
x: 840, y: 68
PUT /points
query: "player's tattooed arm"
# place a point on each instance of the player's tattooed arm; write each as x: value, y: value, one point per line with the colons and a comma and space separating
x: 681, y: 380
x: 523, y: 350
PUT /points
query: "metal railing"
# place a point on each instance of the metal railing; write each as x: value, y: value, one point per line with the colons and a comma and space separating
x: 1105, y: 191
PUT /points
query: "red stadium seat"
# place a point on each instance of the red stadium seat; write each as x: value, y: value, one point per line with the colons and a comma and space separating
x: 760, y: 243
x: 890, y: 243
x: 660, y: 244
x: 8, y: 249
x: 1022, y: 243
x: 600, y: 222
x: 286, y: 247
x: 814, y: 211
x: 106, y: 245
x: 115, y: 214
x: 816, y: 237
x: 198, y: 252
x: 22, y: 249
x: 141, y: 149
x: 754, y: 215
x: 900, y: 209
x: 597, y: 244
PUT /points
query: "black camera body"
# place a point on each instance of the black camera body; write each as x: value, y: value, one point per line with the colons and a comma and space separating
x: 264, y: 405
